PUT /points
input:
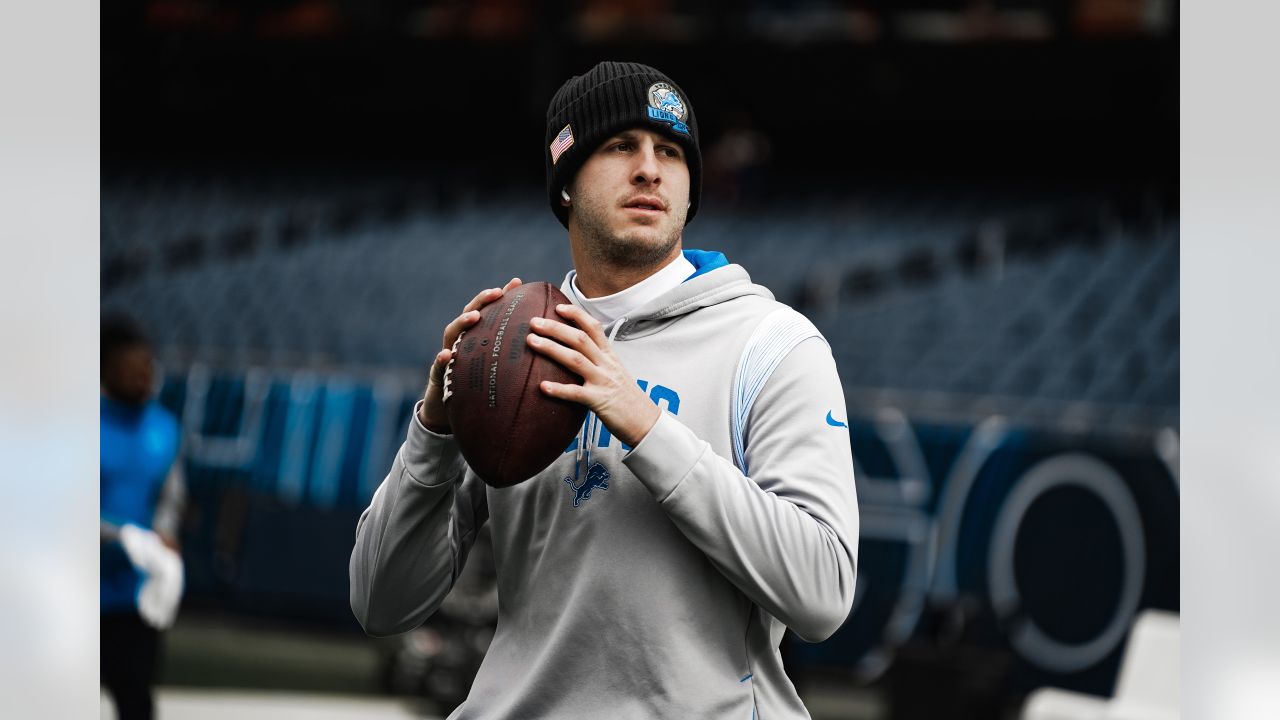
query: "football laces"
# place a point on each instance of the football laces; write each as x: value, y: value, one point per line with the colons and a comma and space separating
x: 448, y: 368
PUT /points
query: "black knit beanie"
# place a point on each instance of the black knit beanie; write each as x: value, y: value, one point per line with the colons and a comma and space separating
x: 610, y: 98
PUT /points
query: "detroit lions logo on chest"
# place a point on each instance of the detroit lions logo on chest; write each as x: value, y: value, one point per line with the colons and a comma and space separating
x: 597, y: 477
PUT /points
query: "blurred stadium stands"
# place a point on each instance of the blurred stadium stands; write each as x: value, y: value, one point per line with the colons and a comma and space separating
x: 1049, y: 308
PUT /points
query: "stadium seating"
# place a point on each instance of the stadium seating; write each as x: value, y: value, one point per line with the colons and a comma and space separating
x: 1021, y: 297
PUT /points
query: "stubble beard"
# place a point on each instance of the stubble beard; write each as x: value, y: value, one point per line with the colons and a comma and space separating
x: 633, y: 247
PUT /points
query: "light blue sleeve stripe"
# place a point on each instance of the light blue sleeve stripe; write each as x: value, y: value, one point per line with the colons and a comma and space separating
x: 776, y: 335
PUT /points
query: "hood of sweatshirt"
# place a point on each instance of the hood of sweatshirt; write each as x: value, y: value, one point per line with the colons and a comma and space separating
x: 715, y: 281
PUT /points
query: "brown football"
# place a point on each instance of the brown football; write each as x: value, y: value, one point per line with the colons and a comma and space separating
x: 507, y: 428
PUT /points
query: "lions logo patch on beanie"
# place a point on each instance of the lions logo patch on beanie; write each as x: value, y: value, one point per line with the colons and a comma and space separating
x: 666, y: 106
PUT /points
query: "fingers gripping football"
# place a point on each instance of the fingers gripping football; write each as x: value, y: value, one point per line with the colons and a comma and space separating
x: 433, y: 414
x: 607, y: 389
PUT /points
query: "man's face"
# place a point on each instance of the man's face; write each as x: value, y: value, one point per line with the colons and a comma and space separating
x: 129, y: 375
x: 630, y: 198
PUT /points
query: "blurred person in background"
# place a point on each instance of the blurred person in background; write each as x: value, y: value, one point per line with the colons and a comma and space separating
x: 652, y: 570
x: 142, y: 497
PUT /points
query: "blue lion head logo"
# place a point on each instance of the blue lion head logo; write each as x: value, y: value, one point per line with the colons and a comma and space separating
x: 597, y: 477
x: 663, y: 97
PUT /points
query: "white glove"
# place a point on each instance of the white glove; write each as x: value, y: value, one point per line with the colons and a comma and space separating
x: 162, y: 587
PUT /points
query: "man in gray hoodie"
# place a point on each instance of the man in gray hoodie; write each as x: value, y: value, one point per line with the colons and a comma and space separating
x: 708, y: 503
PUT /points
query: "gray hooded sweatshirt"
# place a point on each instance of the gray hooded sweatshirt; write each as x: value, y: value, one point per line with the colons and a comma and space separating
x: 654, y: 581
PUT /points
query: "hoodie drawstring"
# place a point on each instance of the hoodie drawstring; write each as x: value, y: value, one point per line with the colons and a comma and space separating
x: 582, y: 443
x: 616, y: 327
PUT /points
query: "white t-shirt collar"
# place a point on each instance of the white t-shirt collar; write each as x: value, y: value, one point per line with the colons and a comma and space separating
x: 611, y: 307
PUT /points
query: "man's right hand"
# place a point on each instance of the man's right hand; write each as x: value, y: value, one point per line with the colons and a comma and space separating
x: 432, y: 413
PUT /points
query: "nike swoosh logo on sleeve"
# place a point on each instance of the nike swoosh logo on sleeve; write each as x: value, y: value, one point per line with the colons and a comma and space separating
x: 834, y: 422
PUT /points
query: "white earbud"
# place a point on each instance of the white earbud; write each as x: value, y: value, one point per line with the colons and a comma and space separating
x: 564, y: 193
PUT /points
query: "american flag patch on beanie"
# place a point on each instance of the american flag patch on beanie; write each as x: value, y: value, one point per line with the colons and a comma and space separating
x: 562, y: 142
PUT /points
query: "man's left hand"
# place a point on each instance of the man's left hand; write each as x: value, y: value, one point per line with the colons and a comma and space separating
x: 607, y: 388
